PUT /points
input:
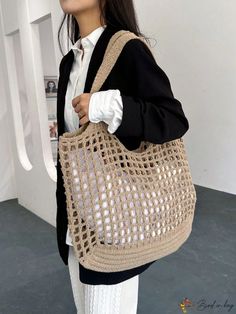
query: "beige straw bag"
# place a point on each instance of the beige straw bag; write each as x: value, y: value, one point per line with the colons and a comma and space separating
x: 125, y: 208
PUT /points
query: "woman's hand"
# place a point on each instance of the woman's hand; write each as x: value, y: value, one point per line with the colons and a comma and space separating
x: 81, y: 106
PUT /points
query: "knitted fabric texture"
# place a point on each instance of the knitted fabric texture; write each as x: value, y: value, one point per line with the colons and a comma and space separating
x: 125, y: 208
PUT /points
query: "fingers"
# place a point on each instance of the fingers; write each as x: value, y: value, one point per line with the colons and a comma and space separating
x: 76, y: 100
x: 81, y: 105
x: 83, y: 120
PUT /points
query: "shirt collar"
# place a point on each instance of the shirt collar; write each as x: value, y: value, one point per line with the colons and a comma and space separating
x: 89, y: 40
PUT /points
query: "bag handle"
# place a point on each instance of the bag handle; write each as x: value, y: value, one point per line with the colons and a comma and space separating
x: 113, y: 50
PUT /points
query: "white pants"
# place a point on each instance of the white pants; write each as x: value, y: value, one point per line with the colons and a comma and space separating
x: 121, y: 298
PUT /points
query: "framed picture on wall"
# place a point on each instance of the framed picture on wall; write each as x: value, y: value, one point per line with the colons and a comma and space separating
x: 52, y: 107
x: 51, y: 84
x: 54, y: 145
x: 53, y: 129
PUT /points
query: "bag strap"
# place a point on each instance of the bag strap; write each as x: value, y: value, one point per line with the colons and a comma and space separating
x: 113, y: 50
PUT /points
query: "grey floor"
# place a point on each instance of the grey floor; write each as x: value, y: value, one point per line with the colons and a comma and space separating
x: 33, y: 279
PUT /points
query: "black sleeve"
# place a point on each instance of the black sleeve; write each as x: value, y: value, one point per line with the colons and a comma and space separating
x: 150, y: 112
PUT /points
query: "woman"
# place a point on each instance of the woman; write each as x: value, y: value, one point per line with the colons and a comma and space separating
x: 136, y: 102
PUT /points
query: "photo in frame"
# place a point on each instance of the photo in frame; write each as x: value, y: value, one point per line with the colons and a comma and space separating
x: 51, y: 84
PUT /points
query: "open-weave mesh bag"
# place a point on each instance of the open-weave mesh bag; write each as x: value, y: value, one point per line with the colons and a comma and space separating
x: 125, y: 208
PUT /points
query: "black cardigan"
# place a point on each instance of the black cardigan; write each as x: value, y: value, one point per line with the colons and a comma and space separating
x: 150, y: 112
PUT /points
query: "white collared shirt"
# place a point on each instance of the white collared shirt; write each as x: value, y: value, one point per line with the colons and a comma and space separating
x: 104, y: 106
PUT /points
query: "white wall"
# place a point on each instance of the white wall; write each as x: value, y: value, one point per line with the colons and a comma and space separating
x: 8, y: 188
x: 34, y: 170
x: 195, y: 45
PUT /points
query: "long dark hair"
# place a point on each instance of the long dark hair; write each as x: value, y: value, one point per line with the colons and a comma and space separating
x: 117, y: 13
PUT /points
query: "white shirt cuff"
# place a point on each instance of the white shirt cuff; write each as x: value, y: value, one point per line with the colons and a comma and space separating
x: 106, y: 106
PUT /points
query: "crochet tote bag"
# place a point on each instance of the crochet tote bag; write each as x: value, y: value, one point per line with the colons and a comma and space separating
x: 125, y: 208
